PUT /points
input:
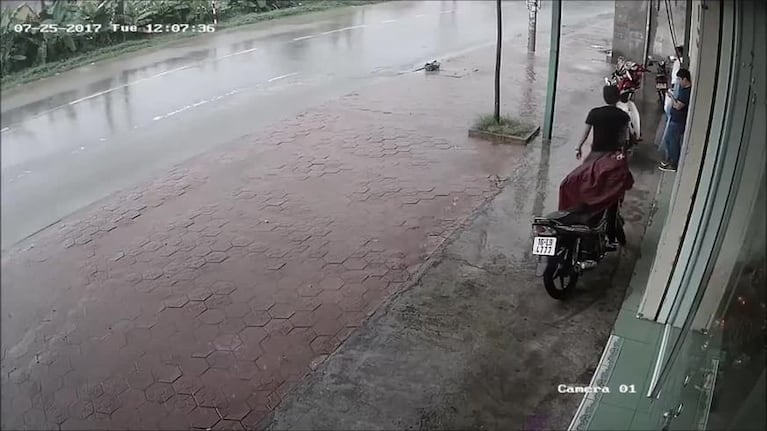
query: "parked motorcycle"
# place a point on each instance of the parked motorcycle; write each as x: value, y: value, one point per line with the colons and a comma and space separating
x: 577, y: 236
x: 569, y: 243
x: 661, y: 81
x: 627, y: 76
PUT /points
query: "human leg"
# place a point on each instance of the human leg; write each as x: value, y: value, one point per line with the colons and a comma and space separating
x: 674, y: 144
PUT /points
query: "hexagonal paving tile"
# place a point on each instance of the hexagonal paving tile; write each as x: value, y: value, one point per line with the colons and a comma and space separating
x: 195, y: 263
x: 152, y: 274
x: 282, y: 310
x: 90, y: 392
x: 195, y: 308
x: 241, y: 241
x: 218, y: 301
x: 223, y: 287
x: 221, y: 245
x: 331, y: 282
x: 278, y: 326
x: 199, y: 293
x: 302, y: 319
x: 253, y: 335
x: 203, y: 417
x: 227, y: 342
x: 237, y: 309
x: 187, y: 385
x: 257, y: 318
x: 212, y: 316
x: 221, y: 359
x: 216, y: 257
x: 200, y: 250
x: 261, y: 303
x: 140, y: 379
x: 228, y: 425
x: 114, y: 385
x: 176, y: 301
x: 327, y: 326
x: 328, y: 310
x: 167, y: 373
x: 181, y: 403
x: 235, y: 411
x: 231, y: 326
x: 106, y: 404
x: 211, y: 398
x: 254, y: 419
x: 81, y: 409
x: 325, y: 344
x: 159, y: 392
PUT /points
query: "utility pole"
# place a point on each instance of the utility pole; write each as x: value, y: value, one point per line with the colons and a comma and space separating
x: 532, y: 23
x: 497, y: 107
x: 551, y: 87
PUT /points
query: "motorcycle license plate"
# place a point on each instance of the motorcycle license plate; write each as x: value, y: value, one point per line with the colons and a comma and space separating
x: 545, y: 245
x: 661, y: 86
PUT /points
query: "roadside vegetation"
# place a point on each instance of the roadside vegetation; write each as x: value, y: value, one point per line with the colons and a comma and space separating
x: 30, y: 49
x: 503, y: 125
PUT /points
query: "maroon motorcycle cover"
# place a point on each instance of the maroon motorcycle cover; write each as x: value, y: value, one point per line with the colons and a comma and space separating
x: 596, y: 184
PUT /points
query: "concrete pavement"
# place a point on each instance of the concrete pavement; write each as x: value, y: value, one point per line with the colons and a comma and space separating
x: 201, y: 298
x: 70, y: 140
x: 474, y: 342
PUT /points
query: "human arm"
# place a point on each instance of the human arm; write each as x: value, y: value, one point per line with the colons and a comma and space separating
x: 586, y: 133
x: 678, y: 103
x: 625, y: 137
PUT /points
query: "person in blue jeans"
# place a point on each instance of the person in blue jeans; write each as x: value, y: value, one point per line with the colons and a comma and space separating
x: 672, y: 136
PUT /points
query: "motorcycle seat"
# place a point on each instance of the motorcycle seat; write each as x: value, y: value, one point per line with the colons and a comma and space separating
x: 574, y: 218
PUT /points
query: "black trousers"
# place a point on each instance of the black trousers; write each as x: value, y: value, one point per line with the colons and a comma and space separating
x: 612, y: 220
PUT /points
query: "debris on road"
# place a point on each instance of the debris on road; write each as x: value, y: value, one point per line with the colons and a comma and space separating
x: 430, y: 67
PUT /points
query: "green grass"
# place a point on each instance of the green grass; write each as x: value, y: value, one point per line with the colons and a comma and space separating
x: 506, y: 126
x: 109, y: 52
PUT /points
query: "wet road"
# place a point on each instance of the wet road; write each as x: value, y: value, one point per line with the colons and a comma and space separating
x: 73, y: 139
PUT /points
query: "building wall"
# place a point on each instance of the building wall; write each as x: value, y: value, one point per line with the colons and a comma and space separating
x: 660, y: 31
x: 629, y: 29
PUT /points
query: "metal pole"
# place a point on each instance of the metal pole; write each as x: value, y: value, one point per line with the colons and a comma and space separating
x: 532, y: 23
x: 687, y: 24
x: 498, y: 50
x: 551, y: 87
x: 647, y: 29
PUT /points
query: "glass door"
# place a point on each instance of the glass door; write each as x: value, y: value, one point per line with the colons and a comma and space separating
x: 710, y: 371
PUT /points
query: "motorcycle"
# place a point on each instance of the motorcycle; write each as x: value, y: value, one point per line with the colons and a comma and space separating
x: 661, y: 81
x: 627, y: 76
x: 569, y: 243
x: 575, y: 238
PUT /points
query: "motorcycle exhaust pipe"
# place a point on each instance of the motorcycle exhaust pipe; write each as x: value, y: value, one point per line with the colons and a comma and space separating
x: 587, y: 264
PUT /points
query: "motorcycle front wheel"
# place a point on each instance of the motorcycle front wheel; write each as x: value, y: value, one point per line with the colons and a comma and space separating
x: 559, y: 278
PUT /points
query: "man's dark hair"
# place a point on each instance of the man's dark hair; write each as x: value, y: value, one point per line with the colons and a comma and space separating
x: 611, y: 94
x: 684, y: 74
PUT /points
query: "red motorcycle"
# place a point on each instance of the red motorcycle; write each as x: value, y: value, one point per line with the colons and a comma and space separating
x: 627, y: 76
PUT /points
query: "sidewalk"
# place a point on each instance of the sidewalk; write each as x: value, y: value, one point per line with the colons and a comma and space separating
x: 201, y: 298
x: 475, y: 342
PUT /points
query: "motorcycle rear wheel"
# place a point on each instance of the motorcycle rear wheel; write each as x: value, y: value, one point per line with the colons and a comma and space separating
x: 558, y: 279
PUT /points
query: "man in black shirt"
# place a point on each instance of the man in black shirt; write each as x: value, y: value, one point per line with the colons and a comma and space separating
x: 610, y: 125
x: 611, y: 133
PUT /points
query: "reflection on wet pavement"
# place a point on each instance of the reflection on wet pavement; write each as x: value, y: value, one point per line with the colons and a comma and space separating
x: 73, y: 129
